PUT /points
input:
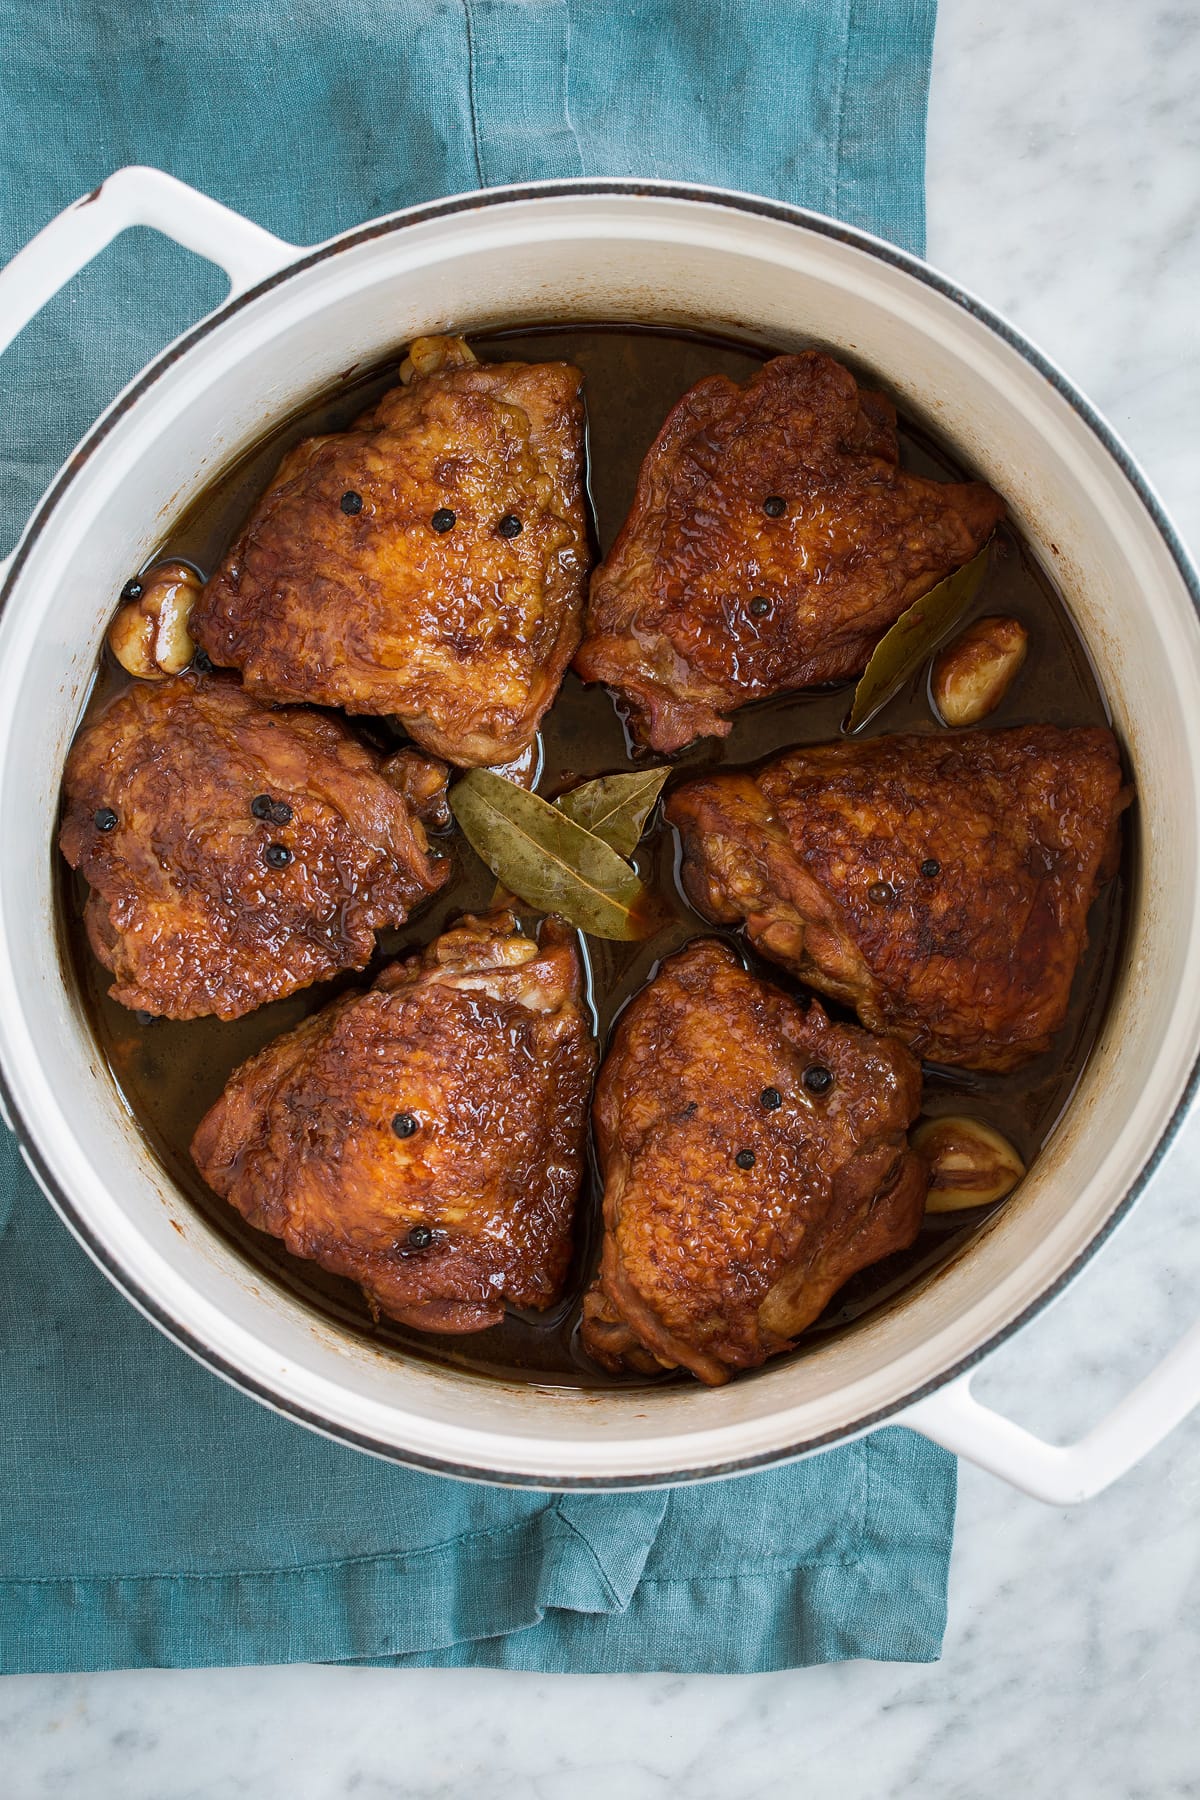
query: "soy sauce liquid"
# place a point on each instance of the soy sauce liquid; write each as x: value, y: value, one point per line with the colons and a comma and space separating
x: 170, y: 1073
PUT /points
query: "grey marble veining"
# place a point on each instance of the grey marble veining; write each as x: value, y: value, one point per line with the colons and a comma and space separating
x: 1064, y: 184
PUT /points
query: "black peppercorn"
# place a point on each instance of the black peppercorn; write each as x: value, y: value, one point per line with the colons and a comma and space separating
x: 770, y: 1099
x: 420, y: 1237
x: 404, y: 1125
x: 443, y: 519
x: 132, y: 590
x: 774, y: 506
x: 202, y: 662
x: 105, y: 819
x: 351, y: 502
x: 931, y: 868
x: 881, y: 893
x: 277, y: 856
x: 760, y: 606
x: 744, y: 1159
x: 509, y: 526
x: 817, y: 1078
x: 278, y: 812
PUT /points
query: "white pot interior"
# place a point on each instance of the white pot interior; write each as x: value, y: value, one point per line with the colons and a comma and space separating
x: 600, y: 256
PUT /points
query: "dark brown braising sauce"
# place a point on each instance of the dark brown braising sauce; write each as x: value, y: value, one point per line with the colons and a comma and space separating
x: 170, y: 1073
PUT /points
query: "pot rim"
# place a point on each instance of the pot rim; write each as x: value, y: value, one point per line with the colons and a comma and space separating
x: 629, y: 187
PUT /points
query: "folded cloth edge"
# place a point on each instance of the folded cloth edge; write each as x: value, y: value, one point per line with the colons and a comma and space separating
x: 610, y: 1615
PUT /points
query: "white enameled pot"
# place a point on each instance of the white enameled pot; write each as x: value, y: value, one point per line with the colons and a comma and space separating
x: 682, y: 256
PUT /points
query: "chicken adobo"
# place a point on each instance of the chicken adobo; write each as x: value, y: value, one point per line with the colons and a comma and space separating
x: 428, y: 564
x: 939, y: 885
x: 754, y: 1157
x: 234, y: 853
x: 419, y: 560
x: 424, y: 1138
x: 773, y: 540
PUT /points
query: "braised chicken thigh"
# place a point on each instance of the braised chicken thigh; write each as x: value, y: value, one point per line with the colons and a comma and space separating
x: 940, y: 885
x: 424, y: 1138
x: 754, y: 1157
x: 234, y: 853
x: 773, y: 540
x: 427, y: 564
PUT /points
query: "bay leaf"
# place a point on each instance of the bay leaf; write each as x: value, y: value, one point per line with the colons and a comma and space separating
x: 549, y: 861
x: 615, y: 807
x: 902, y: 650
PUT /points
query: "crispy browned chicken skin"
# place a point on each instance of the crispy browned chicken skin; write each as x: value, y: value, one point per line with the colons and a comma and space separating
x: 754, y: 1157
x: 234, y: 853
x: 940, y: 885
x: 773, y: 540
x: 342, y: 590
x: 425, y: 1138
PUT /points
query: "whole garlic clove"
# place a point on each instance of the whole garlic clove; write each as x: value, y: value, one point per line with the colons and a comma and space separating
x: 150, y: 636
x: 970, y: 1163
x: 972, y: 675
x: 433, y: 355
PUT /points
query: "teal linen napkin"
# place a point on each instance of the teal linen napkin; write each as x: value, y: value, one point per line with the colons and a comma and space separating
x: 150, y: 1515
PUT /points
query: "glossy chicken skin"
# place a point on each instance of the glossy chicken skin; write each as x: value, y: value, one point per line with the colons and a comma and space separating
x: 342, y: 590
x: 754, y: 1157
x: 939, y: 884
x: 235, y: 853
x: 424, y: 1138
x: 773, y: 540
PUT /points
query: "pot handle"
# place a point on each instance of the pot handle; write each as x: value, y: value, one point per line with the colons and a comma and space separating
x: 133, y: 196
x: 1064, y: 1474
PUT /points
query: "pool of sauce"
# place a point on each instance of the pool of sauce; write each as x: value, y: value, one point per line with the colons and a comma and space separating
x: 171, y: 1072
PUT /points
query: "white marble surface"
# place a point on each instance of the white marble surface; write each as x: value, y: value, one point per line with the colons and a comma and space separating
x: 1064, y: 181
